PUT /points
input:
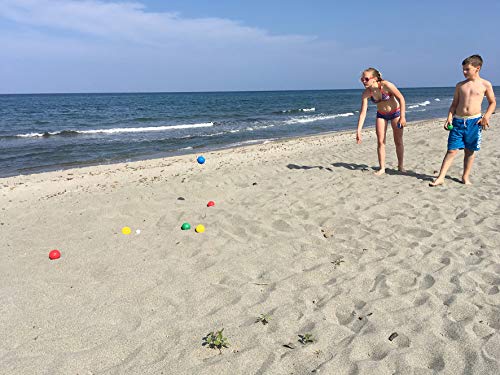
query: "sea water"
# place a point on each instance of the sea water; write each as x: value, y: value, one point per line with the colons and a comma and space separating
x: 43, y: 132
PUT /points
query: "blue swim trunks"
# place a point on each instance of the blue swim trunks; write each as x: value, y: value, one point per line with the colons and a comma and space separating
x: 466, y: 133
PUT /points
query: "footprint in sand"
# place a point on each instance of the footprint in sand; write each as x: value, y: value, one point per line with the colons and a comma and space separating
x: 427, y: 282
x: 421, y: 300
x: 282, y: 226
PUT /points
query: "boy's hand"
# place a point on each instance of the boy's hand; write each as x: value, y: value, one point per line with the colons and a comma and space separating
x: 358, y: 138
x: 445, y: 126
x: 484, y: 122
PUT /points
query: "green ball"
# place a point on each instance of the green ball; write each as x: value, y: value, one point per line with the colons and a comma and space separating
x: 450, y: 126
x: 185, y: 226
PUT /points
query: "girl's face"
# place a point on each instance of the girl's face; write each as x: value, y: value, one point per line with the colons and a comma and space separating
x: 367, y: 79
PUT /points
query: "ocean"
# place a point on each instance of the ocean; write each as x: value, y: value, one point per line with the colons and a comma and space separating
x: 42, y: 132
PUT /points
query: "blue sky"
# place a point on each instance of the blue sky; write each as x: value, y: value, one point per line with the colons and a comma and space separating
x: 153, y: 45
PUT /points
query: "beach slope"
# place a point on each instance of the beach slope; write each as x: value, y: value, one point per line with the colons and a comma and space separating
x: 384, y: 275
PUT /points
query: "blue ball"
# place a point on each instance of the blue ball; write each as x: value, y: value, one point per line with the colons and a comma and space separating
x: 201, y: 159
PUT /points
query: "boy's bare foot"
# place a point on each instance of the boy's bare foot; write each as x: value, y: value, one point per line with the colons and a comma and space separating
x: 436, y: 182
x: 466, y: 181
x: 380, y: 172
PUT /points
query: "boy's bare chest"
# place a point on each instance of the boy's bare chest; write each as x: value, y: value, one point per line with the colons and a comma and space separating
x: 472, y: 91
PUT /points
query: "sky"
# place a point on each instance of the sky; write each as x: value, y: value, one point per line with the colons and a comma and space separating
x: 53, y: 46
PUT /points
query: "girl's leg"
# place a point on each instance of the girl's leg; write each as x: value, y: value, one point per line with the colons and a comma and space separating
x: 381, y: 129
x: 398, y: 141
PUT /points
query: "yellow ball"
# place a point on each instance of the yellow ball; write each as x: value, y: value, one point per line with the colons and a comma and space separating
x: 126, y: 230
x: 199, y: 228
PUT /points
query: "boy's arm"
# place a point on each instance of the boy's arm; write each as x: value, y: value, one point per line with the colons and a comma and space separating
x: 453, y: 107
x: 362, y: 116
x: 492, y: 103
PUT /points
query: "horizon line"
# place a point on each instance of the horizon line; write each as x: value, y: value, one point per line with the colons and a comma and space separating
x: 195, y: 92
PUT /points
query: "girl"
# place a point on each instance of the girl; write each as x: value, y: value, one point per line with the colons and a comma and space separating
x: 390, y: 107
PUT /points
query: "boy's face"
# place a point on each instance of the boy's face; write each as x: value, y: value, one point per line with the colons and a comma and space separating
x: 470, y: 71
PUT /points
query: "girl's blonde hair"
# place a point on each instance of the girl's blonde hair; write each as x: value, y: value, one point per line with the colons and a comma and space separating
x: 375, y: 73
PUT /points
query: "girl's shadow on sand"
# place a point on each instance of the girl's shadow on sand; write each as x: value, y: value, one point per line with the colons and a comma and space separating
x: 389, y: 171
x: 364, y: 168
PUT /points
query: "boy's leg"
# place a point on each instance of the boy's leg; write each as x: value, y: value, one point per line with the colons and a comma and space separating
x: 448, y: 159
x: 468, y: 161
x: 381, y: 129
x: 398, y: 142
x: 472, y: 144
x: 455, y: 142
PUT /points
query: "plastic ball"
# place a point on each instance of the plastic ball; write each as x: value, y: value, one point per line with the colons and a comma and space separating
x: 201, y: 159
x: 185, y: 226
x: 54, y: 254
x: 211, y: 204
x: 126, y: 230
x: 199, y: 228
x: 449, y: 127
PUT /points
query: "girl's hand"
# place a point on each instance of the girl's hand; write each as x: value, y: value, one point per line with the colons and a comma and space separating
x: 402, y: 121
x: 358, y: 138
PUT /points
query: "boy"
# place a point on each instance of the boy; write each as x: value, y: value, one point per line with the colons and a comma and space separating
x: 465, y: 116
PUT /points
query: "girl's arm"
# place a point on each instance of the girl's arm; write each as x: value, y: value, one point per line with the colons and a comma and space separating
x: 362, y: 116
x: 401, y: 99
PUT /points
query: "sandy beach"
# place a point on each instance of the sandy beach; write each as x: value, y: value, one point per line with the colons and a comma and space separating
x: 386, y: 274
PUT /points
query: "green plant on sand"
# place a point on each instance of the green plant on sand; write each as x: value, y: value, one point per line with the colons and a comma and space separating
x: 215, y: 340
x: 263, y: 318
x: 306, y: 338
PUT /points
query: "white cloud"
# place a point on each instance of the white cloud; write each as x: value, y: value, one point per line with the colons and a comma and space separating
x: 91, y: 45
x: 132, y: 22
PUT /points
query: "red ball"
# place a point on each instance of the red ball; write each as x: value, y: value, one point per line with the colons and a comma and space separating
x: 54, y: 254
x: 211, y: 204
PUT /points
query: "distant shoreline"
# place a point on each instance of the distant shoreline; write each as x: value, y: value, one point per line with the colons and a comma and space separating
x: 206, y: 92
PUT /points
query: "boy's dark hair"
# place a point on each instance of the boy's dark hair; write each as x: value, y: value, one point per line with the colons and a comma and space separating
x: 474, y: 60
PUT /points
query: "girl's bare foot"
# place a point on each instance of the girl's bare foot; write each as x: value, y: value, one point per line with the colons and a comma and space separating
x: 436, y: 182
x: 381, y: 171
x: 466, y: 181
x: 401, y: 169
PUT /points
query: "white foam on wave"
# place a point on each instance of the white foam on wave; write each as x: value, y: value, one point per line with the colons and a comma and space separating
x: 249, y: 142
x: 312, y: 109
x: 251, y: 129
x: 437, y: 100
x: 423, y: 104
x: 32, y: 135
x: 122, y: 130
x: 147, y: 129
x: 306, y: 119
